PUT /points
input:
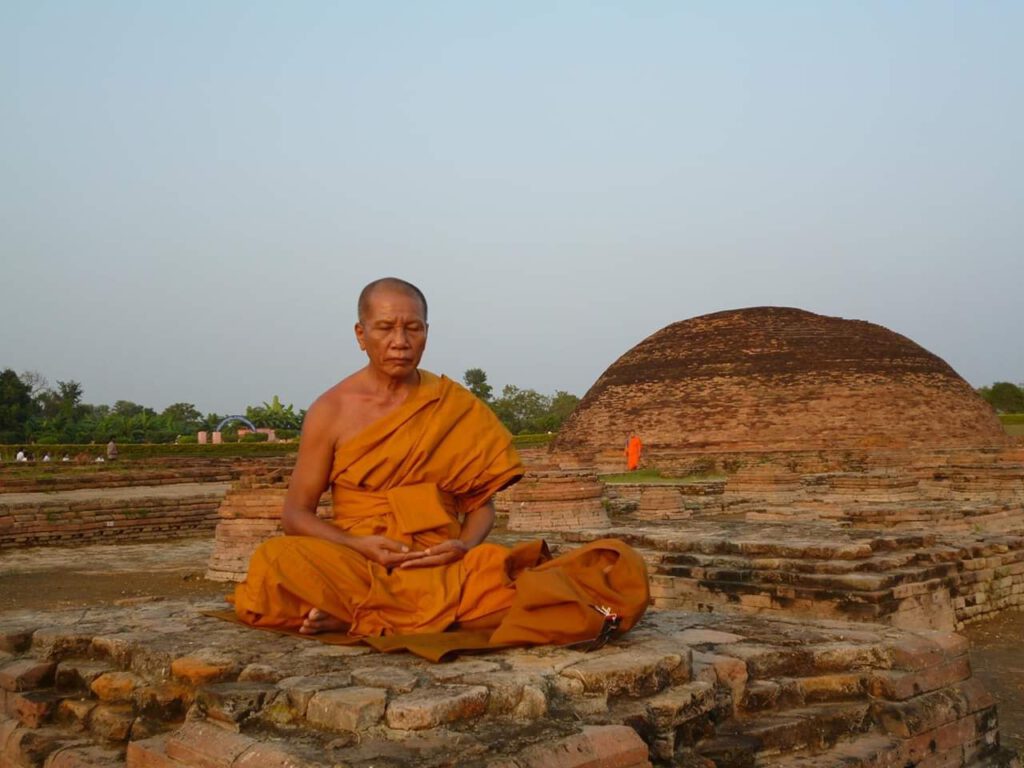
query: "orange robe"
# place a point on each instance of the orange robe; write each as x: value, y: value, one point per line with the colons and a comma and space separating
x: 633, y: 453
x: 411, y: 476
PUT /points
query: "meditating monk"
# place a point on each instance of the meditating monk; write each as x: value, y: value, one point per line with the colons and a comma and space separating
x: 413, y: 460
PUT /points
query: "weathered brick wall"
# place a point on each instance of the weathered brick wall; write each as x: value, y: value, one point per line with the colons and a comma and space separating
x: 249, y: 514
x: 77, y: 522
x: 913, y: 580
x: 769, y: 379
x: 665, y: 501
x: 952, y: 492
x: 557, y: 500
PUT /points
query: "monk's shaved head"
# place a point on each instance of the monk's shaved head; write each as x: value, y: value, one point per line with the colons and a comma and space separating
x: 390, y: 284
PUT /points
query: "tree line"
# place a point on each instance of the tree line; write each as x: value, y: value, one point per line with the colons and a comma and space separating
x: 31, y: 411
x: 1004, y: 396
x: 522, y: 411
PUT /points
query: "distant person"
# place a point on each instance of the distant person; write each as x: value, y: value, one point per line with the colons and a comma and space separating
x: 46, y: 456
x: 633, y: 446
x: 20, y: 456
x: 65, y: 457
x: 111, y: 450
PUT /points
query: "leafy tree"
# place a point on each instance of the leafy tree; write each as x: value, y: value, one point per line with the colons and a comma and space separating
x: 522, y: 410
x: 181, y: 418
x: 128, y: 408
x: 274, y: 414
x: 35, y: 381
x: 1004, y: 397
x: 475, y: 380
x: 16, y: 406
x: 562, y: 405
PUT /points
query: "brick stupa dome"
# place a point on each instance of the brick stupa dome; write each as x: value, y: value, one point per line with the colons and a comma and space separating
x: 778, y: 379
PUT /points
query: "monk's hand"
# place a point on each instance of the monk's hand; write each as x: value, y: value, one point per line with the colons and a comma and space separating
x: 387, y: 552
x: 440, y: 554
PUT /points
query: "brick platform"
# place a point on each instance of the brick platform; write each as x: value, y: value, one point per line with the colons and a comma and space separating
x: 143, y: 514
x: 158, y: 684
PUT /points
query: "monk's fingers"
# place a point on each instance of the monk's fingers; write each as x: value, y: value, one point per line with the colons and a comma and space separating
x: 438, y: 559
x: 392, y: 546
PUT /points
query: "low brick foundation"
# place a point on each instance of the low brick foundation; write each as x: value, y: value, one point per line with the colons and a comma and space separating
x: 556, y: 500
x: 249, y: 514
x: 140, y: 517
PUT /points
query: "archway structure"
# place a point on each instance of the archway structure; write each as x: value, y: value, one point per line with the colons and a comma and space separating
x: 228, y: 419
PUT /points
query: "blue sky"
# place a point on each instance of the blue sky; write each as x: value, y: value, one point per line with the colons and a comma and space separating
x: 193, y: 193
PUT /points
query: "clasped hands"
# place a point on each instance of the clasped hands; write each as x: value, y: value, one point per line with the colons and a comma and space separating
x: 394, y: 554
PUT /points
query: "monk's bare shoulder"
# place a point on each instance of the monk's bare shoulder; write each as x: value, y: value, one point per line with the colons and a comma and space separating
x: 331, y: 415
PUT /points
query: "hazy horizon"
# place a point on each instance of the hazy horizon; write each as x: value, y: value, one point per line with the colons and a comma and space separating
x: 194, y: 194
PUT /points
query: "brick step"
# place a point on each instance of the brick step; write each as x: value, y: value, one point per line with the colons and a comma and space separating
x: 804, y: 541
x: 881, y: 562
x: 202, y: 744
x: 808, y: 728
x: 862, y: 580
x: 52, y: 747
x: 869, y: 750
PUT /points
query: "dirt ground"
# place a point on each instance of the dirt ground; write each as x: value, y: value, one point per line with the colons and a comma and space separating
x: 997, y: 656
x: 59, y: 577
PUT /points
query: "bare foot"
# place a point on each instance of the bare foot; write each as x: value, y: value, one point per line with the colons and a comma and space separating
x: 317, y: 621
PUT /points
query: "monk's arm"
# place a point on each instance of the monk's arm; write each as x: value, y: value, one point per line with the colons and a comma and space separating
x: 308, y: 482
x: 477, y: 524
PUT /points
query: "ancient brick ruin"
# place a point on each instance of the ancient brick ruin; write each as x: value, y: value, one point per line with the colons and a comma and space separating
x: 775, y: 379
x: 834, y: 503
x: 160, y: 684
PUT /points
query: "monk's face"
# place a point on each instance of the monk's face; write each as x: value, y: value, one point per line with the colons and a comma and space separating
x: 393, y: 333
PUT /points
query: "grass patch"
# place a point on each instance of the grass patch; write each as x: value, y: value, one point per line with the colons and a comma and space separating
x: 1015, y: 429
x: 525, y: 441
x: 1011, y: 418
x: 655, y: 477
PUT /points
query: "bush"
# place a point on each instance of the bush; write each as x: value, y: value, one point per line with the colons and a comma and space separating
x: 286, y: 434
x: 186, y: 440
x: 254, y: 437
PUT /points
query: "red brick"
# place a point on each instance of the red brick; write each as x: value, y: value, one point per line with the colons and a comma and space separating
x: 86, y: 757
x: 429, y: 707
x: 598, y: 746
x: 116, y: 686
x: 149, y: 753
x: 26, y: 674
x: 203, y: 745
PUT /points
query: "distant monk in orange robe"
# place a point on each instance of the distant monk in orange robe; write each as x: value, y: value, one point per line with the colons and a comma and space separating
x: 633, y: 447
x: 413, y: 460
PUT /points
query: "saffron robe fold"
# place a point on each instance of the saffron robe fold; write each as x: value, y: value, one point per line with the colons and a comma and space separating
x: 411, y: 476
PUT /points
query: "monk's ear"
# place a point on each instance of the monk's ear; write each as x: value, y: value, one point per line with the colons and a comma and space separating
x: 360, y: 336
